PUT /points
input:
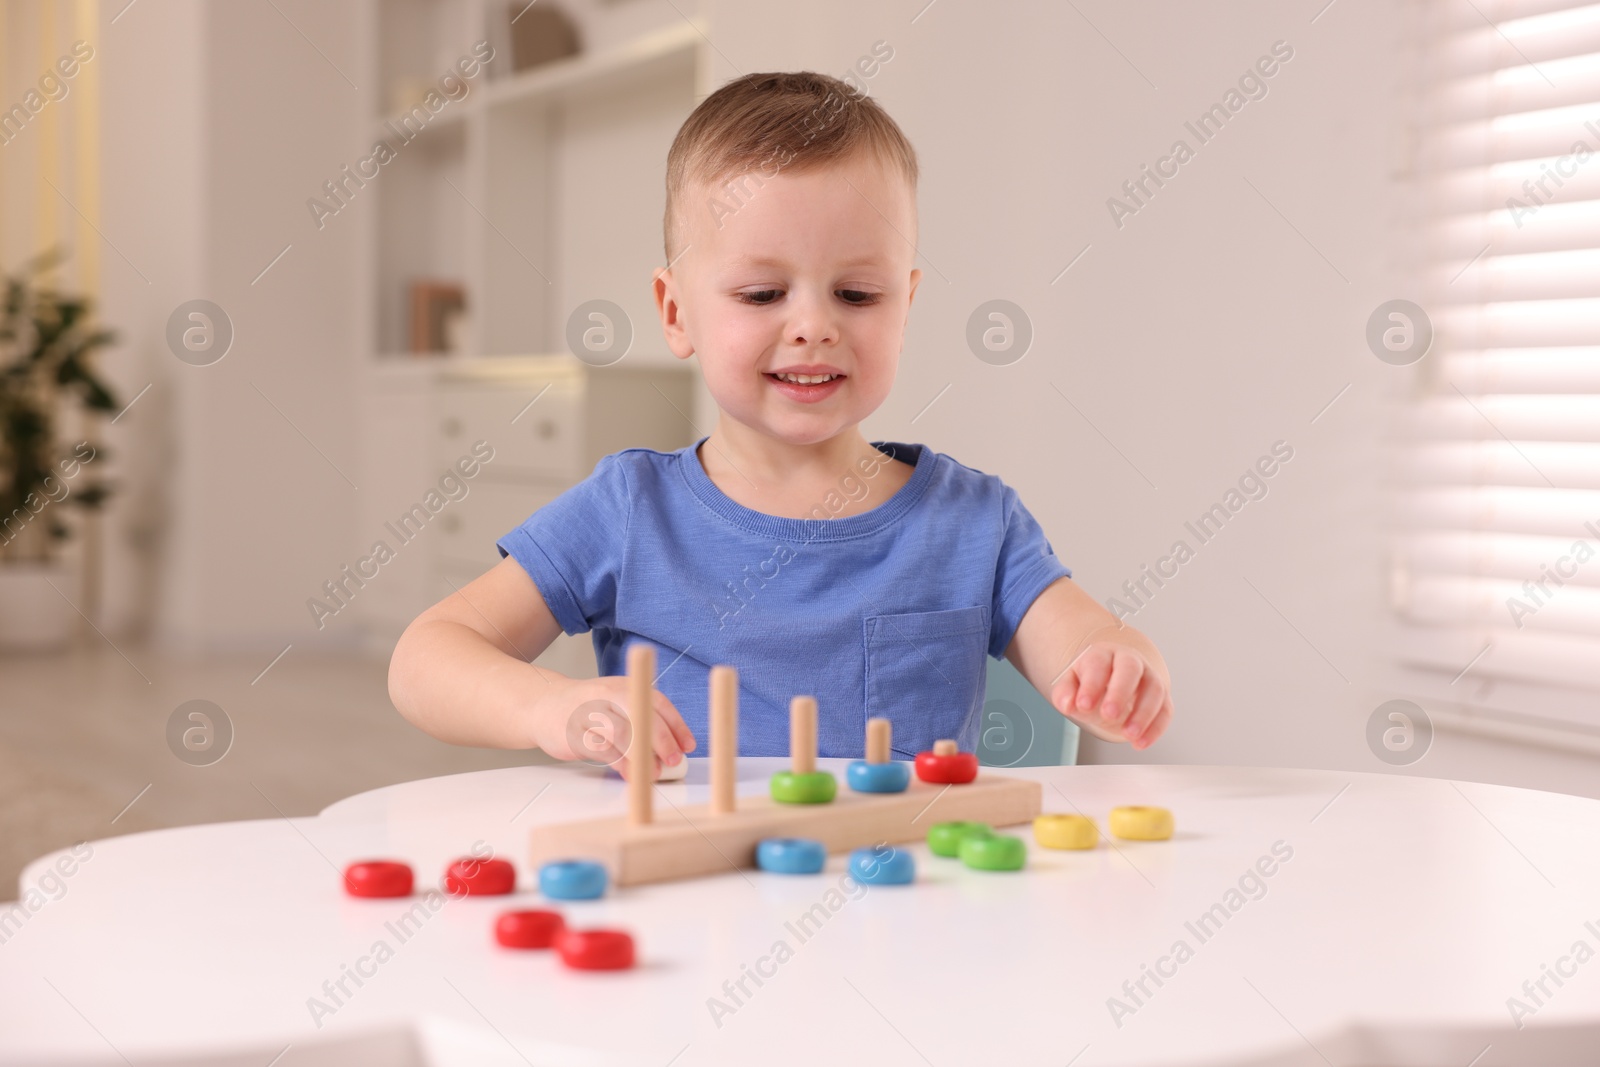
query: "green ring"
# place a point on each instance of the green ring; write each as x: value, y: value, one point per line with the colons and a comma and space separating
x: 818, y: 787
x: 994, y: 852
x: 944, y: 838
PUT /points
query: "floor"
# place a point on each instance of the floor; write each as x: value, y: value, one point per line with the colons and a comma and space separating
x: 84, y: 751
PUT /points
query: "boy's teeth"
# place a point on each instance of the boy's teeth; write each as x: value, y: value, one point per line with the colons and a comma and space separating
x: 808, y: 379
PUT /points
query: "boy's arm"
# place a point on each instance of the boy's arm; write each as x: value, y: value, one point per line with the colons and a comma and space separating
x: 462, y: 669
x: 461, y: 672
x: 1100, y: 672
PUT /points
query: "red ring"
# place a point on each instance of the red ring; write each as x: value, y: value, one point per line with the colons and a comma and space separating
x: 378, y: 878
x: 475, y: 877
x: 595, y: 950
x: 535, y: 928
x: 958, y: 768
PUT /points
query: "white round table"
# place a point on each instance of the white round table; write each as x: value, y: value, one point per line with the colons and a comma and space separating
x: 1297, y: 917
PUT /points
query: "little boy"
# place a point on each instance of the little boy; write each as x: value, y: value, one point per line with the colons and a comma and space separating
x: 876, y: 577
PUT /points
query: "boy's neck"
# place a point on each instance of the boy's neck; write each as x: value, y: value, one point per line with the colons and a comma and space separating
x: 788, y: 480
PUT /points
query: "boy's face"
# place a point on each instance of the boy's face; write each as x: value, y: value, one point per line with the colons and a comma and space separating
x: 813, y: 270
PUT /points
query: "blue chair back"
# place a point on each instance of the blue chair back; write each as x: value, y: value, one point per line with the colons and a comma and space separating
x: 1020, y: 728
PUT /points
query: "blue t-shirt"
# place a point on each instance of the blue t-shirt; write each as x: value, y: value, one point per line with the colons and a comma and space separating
x: 890, y: 612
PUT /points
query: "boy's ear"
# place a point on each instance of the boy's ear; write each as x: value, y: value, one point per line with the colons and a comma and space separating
x: 671, y: 311
x: 916, y: 279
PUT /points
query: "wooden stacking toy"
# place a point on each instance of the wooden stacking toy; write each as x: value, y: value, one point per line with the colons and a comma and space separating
x: 947, y: 766
x: 528, y: 928
x: 944, y: 838
x: 1061, y: 830
x: 572, y: 880
x: 1135, y: 822
x: 803, y: 784
x: 378, y: 878
x: 882, y: 866
x: 791, y: 855
x: 877, y: 773
x: 595, y: 950
x: 993, y: 852
x: 689, y: 841
x: 470, y: 877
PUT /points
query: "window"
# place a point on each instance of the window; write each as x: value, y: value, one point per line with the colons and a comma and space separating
x: 1496, y: 580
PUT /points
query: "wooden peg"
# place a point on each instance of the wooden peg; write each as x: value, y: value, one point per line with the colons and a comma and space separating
x: 724, y: 738
x: 944, y: 748
x: 642, y: 720
x: 878, y: 740
x: 803, y: 735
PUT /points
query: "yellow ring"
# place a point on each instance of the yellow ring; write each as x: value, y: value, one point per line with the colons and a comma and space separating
x: 1137, y: 823
x: 1059, y: 830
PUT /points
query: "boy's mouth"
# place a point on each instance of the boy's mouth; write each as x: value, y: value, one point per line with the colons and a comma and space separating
x: 806, y: 388
x: 805, y: 379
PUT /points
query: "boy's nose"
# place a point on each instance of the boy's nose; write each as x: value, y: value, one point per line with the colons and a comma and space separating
x: 813, y: 324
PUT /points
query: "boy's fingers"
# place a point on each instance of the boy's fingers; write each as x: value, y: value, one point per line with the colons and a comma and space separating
x: 623, y: 767
x: 600, y: 749
x: 654, y: 745
x: 668, y: 713
x: 1126, y: 670
x: 665, y: 721
x: 1152, y: 695
x: 1156, y: 728
x: 605, y: 752
x: 668, y: 739
x: 591, y: 744
x: 666, y: 746
x: 1093, y: 669
x: 1066, y: 692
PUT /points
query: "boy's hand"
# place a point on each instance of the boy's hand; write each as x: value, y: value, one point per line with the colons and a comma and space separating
x: 1117, y: 693
x: 586, y: 719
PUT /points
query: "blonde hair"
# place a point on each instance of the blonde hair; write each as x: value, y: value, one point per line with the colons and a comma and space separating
x: 797, y: 121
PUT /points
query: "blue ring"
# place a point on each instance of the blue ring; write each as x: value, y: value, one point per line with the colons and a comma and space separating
x: 572, y: 880
x: 791, y: 855
x: 866, y: 777
x: 894, y: 867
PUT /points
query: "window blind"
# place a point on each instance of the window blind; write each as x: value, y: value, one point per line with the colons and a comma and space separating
x: 1496, y: 577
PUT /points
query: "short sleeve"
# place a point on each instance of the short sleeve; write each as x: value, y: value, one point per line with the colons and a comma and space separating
x: 572, y: 547
x: 1026, y: 568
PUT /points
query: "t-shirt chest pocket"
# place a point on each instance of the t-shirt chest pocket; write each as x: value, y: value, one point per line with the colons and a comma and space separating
x: 925, y: 674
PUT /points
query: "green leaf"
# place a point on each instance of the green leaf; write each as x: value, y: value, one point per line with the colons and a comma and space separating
x: 97, y: 396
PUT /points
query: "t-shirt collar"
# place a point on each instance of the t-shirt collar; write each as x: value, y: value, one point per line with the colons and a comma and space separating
x: 787, y: 529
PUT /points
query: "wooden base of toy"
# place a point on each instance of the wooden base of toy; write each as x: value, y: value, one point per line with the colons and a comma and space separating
x: 693, y: 842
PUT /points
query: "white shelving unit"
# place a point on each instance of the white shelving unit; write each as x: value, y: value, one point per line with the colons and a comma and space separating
x: 535, y: 191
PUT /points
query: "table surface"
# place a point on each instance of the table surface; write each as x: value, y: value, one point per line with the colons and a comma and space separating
x: 1400, y: 916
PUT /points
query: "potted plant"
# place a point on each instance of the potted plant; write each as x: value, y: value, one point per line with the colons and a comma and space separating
x: 46, y: 339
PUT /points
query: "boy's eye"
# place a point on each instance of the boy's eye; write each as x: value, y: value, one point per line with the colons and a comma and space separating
x: 856, y: 297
